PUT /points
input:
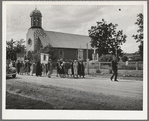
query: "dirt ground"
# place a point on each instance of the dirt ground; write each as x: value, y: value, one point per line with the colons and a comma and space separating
x: 91, y: 93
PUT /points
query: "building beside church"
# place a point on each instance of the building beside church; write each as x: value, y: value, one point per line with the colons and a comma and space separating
x: 67, y: 46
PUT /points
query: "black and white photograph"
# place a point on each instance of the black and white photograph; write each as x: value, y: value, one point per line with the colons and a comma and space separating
x: 74, y: 60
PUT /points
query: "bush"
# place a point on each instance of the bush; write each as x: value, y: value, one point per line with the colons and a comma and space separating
x: 106, y: 58
x: 127, y: 67
x: 124, y: 58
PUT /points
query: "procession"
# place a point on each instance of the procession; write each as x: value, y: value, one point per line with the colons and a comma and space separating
x: 65, y: 69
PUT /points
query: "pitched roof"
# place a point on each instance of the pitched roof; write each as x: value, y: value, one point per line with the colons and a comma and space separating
x: 65, y: 40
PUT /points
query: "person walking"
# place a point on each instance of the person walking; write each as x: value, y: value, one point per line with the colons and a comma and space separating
x: 34, y: 67
x: 75, y: 69
x: 22, y: 68
x: 82, y: 67
x: 18, y: 66
x: 49, y: 68
x: 38, y: 69
x: 58, y: 67
x: 114, y: 68
x: 69, y: 69
x: 71, y: 66
x: 31, y: 69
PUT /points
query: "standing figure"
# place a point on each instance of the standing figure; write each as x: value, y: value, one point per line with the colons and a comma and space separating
x: 49, y: 68
x: 38, y: 69
x: 82, y: 69
x: 34, y: 67
x: 31, y: 69
x: 18, y: 66
x: 27, y: 68
x: 75, y: 69
x: 44, y: 68
x: 71, y: 66
x: 69, y: 69
x: 61, y: 71
x: 22, y: 68
x: 58, y: 67
x: 79, y: 68
x: 114, y: 68
x: 66, y: 68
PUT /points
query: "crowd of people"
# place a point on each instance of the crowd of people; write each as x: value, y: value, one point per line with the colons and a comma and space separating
x: 70, y: 68
x: 64, y: 69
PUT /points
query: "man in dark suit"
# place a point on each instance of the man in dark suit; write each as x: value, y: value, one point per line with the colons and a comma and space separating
x: 114, y: 68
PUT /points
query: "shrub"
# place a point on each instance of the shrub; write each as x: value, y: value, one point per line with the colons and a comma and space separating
x: 124, y: 58
x: 106, y: 58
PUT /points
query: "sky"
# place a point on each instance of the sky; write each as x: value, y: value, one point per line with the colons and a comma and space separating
x: 74, y: 19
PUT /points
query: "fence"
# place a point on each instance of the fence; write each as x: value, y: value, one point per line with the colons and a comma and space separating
x: 121, y: 65
x: 97, y: 66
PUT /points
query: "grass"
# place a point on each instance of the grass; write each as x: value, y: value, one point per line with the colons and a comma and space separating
x: 18, y: 102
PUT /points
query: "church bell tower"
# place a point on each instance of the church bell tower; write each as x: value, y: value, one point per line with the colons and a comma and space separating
x: 36, y: 19
x: 34, y: 32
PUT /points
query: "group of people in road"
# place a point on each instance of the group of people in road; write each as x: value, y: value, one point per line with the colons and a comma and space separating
x: 31, y: 67
x: 70, y: 68
x: 64, y: 69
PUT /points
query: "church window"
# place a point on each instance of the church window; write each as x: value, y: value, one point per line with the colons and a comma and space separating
x: 61, y: 54
x: 34, y: 22
x: 38, y: 21
x: 29, y: 42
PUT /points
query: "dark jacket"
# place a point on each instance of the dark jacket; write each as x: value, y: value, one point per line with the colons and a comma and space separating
x: 114, y: 65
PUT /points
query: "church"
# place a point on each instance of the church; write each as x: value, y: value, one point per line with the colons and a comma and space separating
x: 67, y: 46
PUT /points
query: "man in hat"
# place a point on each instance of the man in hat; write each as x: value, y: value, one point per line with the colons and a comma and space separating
x: 114, y: 68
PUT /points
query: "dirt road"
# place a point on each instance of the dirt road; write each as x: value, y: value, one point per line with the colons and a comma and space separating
x: 91, y: 93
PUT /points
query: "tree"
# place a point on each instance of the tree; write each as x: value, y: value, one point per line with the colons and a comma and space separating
x: 13, y: 47
x: 47, y: 49
x: 124, y: 58
x: 106, y: 39
x: 139, y: 37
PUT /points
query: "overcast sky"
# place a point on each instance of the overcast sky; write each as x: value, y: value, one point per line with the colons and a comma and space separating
x: 75, y: 19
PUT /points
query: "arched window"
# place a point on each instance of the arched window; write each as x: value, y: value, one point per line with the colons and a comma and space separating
x: 29, y: 42
x: 34, y: 21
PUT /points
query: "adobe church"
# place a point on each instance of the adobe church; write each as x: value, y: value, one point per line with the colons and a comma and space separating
x: 67, y: 46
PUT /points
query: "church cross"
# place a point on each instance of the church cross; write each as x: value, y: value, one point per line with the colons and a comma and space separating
x: 94, y: 49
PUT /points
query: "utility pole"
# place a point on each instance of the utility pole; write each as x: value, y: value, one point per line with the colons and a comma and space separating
x: 87, y: 60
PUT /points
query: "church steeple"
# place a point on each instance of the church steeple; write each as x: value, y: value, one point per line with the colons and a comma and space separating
x: 36, y: 19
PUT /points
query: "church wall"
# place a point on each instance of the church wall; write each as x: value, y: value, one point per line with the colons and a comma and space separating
x: 70, y: 53
x: 30, y: 34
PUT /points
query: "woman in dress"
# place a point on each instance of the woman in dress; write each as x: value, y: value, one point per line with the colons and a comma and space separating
x: 49, y: 68
x: 22, y: 68
x: 75, y: 69
x: 69, y: 69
